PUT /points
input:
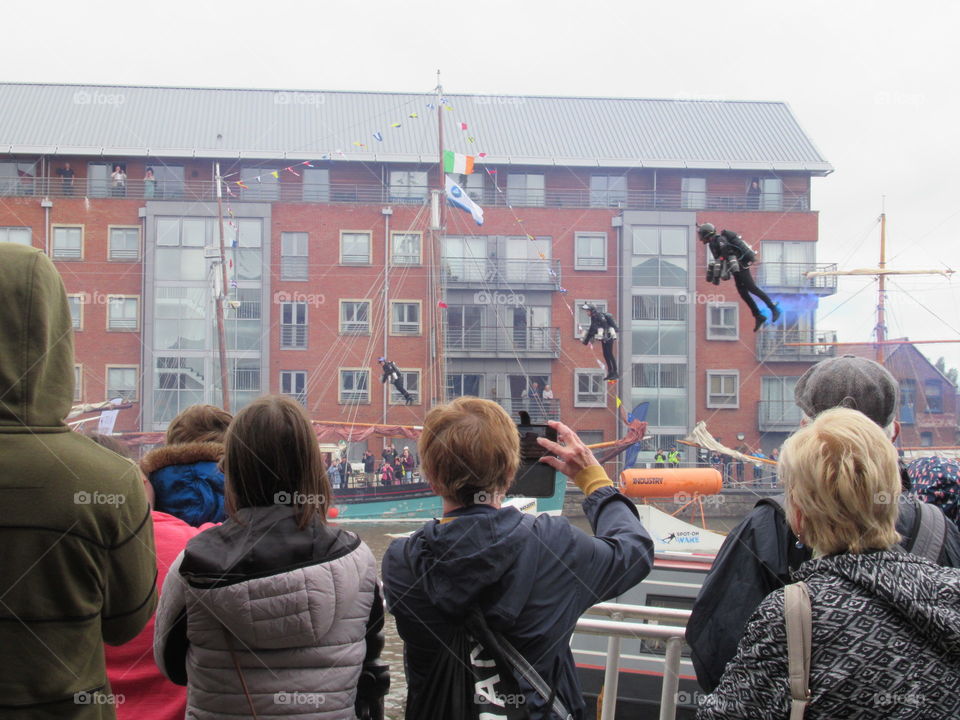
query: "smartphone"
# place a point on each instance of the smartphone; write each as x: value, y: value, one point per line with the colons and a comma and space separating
x: 534, y: 478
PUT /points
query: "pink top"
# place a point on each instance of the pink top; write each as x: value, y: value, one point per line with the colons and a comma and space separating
x: 130, y: 667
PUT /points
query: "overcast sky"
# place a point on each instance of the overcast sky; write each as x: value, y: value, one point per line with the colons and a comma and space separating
x: 872, y: 82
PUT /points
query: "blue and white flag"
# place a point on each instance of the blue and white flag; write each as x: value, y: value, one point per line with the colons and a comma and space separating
x: 457, y: 197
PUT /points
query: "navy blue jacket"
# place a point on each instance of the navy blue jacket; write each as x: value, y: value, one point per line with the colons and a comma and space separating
x: 533, y: 577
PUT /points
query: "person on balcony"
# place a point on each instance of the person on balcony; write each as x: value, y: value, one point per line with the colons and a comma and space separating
x: 732, y: 256
x: 753, y: 194
x: 66, y: 174
x: 604, y: 328
x: 392, y: 373
x: 119, y: 178
x: 149, y: 184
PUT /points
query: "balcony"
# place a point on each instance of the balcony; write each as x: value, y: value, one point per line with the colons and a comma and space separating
x: 774, y: 345
x: 505, y: 342
x: 778, y: 416
x: 792, y: 278
x: 334, y: 192
x: 501, y: 274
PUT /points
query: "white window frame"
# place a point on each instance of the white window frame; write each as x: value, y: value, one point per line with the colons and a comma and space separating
x: 123, y: 321
x: 397, y: 328
x: 369, y: 235
x: 712, y: 328
x: 354, y: 327
x: 80, y: 297
x: 394, y: 398
x: 341, y: 391
x: 691, y: 199
x: 136, y: 382
x: 578, y: 328
x: 407, y: 191
x: 53, y: 241
x: 78, y: 382
x: 406, y: 260
x: 305, y: 324
x: 582, y: 402
x: 590, y: 263
x: 122, y: 258
x: 290, y: 375
x: 295, y: 266
x: 525, y: 197
x: 714, y: 404
x: 5, y: 234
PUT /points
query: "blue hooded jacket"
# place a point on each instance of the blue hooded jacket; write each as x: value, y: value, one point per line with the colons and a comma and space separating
x: 532, y: 576
x: 187, y: 481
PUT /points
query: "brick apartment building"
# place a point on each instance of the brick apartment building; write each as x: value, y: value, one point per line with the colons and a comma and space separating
x: 332, y: 263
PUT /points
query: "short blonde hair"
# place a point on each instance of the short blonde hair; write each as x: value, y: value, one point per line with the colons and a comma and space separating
x: 841, y: 473
x: 469, y: 447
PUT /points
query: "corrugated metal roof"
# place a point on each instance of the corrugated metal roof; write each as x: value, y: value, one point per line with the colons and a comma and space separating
x: 301, y: 125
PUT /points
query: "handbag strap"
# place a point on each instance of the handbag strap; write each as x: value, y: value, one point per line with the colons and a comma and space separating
x: 796, y: 611
x: 236, y: 664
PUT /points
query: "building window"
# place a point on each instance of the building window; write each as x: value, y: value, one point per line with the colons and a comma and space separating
x: 355, y: 317
x: 581, y: 320
x: 693, y: 193
x: 933, y: 389
x: 908, y: 401
x: 660, y: 255
x: 293, y: 325
x: 355, y: 248
x: 926, y: 439
x: 405, y: 249
x: 316, y: 185
x: 608, y: 190
x: 411, y: 383
x: 771, y: 194
x: 475, y: 186
x: 408, y: 186
x: 123, y: 313
x: 76, y: 310
x: 525, y: 189
x: 590, y: 388
x: 67, y: 243
x: 660, y: 307
x: 293, y: 256
x: 243, y: 320
x: 354, y: 386
x: 19, y: 235
x: 723, y: 389
x: 78, y: 383
x: 405, y: 318
x: 124, y: 245
x: 122, y: 382
x: 591, y: 251
x: 260, y: 184
x: 659, y: 375
x: 17, y: 178
x: 723, y: 321
x: 294, y: 384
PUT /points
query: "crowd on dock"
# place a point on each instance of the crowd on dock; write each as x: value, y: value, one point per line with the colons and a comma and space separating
x: 204, y: 581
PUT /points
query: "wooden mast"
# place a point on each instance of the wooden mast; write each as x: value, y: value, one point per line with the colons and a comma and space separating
x: 881, y: 329
x: 221, y: 299
x: 438, y: 374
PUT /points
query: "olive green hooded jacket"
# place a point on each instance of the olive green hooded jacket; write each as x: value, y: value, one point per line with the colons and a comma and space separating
x: 77, y: 563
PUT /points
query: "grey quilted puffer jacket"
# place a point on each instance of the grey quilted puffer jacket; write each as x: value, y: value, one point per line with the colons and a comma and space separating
x: 301, y: 610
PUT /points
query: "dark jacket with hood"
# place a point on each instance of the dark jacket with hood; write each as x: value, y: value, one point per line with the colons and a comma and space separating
x: 600, y: 321
x: 187, y: 481
x: 726, y: 244
x: 885, y: 644
x: 756, y: 558
x: 532, y: 576
x: 78, y: 563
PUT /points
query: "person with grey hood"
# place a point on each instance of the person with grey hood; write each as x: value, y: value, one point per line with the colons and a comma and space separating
x: 759, y: 555
x: 78, y: 563
x: 867, y: 630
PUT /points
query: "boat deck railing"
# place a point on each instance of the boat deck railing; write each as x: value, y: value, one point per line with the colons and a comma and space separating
x: 621, y: 625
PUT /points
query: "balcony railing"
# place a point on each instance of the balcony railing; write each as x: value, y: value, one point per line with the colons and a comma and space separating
x: 498, y: 341
x: 334, y: 192
x: 505, y: 273
x: 792, y: 278
x: 778, y: 416
x: 775, y: 345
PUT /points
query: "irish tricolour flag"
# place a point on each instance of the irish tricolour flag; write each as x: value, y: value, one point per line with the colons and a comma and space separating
x: 457, y: 163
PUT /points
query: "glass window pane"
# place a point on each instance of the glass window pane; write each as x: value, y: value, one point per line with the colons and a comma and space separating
x: 673, y: 272
x: 673, y: 340
x: 195, y: 232
x: 168, y: 231
x: 673, y: 240
x: 646, y: 240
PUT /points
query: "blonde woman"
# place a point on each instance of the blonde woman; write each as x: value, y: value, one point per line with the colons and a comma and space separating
x: 886, y: 624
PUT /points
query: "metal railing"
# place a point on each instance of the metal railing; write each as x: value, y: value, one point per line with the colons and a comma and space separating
x: 617, y: 628
x: 792, y: 277
x: 778, y: 416
x: 334, y: 192
x: 493, y: 340
x: 774, y: 345
x: 498, y: 273
x: 540, y: 409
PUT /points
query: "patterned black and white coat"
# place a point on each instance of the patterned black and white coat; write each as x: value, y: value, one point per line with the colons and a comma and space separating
x: 885, y: 644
